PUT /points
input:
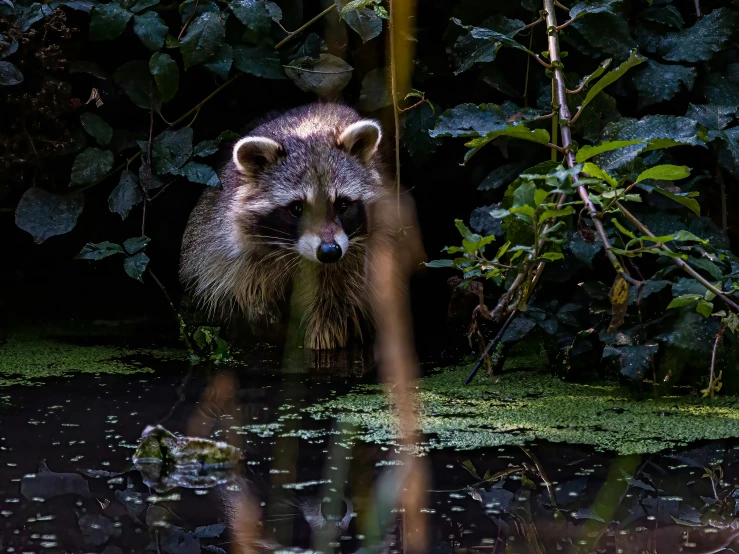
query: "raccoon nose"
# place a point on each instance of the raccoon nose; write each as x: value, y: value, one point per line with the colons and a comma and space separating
x: 328, y: 252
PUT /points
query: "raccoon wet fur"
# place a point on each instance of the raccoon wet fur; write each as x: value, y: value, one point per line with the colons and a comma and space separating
x: 304, y: 197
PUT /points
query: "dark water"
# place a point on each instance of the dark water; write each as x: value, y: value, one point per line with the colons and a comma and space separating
x: 491, y: 500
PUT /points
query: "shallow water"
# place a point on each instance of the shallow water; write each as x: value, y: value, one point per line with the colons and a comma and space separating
x: 545, y: 497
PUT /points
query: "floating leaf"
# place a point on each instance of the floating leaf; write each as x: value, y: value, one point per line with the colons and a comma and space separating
x: 699, y: 42
x: 108, y: 21
x: 92, y: 251
x: 136, y: 265
x: 203, y: 38
x: 43, y: 214
x: 91, y: 165
x: 665, y: 172
x: 259, y: 61
x: 326, y: 76
x: 151, y: 29
x: 97, y: 127
x: 658, y: 82
x: 125, y: 195
x: 166, y: 75
x: 10, y: 74
x: 200, y: 173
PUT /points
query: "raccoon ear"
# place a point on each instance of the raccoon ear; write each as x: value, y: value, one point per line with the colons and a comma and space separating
x: 361, y: 139
x: 256, y: 153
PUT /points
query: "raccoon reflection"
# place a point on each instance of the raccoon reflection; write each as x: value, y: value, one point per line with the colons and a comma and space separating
x: 303, y: 197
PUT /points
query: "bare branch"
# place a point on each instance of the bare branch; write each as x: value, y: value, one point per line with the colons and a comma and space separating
x: 534, y: 23
x: 565, y: 24
x: 542, y: 62
x: 678, y: 261
x: 297, y: 31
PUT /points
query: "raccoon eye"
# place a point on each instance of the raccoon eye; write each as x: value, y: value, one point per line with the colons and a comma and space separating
x: 341, y: 205
x: 296, y: 208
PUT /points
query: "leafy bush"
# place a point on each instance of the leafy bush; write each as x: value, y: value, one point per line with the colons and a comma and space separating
x: 603, y: 162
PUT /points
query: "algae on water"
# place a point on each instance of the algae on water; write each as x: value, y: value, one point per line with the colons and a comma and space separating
x: 522, y: 407
x: 26, y: 358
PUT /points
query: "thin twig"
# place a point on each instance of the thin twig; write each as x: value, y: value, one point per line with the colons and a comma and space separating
x: 677, y: 261
x: 542, y: 62
x: 394, y: 94
x: 697, y: 8
x: 712, y: 377
x: 543, y: 475
x: 548, y: 116
x: 178, y: 317
x: 565, y: 24
x: 292, y: 35
x: 200, y: 104
x: 534, y: 24
x: 490, y: 346
x: 560, y: 5
x: 578, y: 89
x: 189, y: 19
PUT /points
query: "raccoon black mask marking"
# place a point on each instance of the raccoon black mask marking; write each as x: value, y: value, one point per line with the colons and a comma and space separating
x: 297, y: 206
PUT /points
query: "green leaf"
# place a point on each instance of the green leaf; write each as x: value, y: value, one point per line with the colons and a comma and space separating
x: 347, y: 7
x: 151, y: 30
x: 440, y: 263
x: 699, y: 42
x: 665, y: 172
x: 465, y: 232
x: 10, y: 74
x: 728, y: 150
x: 166, y: 75
x: 260, y: 61
x: 666, y: 15
x: 136, y: 244
x: 91, y: 165
x: 524, y: 195
x: 708, y: 266
x: 136, y: 265
x: 365, y: 22
x: 28, y: 15
x: 552, y: 256
x: 611, y: 77
x: 684, y: 300
x: 686, y: 201
x: 547, y: 214
x: 519, y: 132
x: 210, y: 146
x: 489, y: 34
x: 607, y: 32
x: 325, y: 76
x: 468, y: 50
x: 585, y: 81
x: 623, y: 229
x: 199, y: 173
x: 688, y: 236
x: 134, y: 77
x: 595, y: 171
x: 587, y: 152
x: 711, y: 116
x: 598, y: 6
x: 658, y: 131
x: 254, y: 15
x: 204, y: 37
x: 108, y: 21
x: 470, y: 120
x: 503, y: 175
x: 43, y: 214
x: 374, y: 94
x: 170, y: 150
x: 704, y: 308
x: 97, y: 128
x: 718, y: 89
x: 222, y: 60
x: 657, y: 82
x: 138, y: 6
x: 125, y: 195
x: 92, y: 251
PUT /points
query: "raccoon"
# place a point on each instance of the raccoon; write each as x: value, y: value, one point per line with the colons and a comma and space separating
x: 303, y: 198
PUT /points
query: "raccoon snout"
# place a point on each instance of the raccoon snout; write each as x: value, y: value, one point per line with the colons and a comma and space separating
x: 328, y: 252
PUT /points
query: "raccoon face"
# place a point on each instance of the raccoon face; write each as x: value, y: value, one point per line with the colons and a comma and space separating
x: 310, y: 194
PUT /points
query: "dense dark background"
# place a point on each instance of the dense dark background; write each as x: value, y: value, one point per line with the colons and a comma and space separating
x: 42, y: 283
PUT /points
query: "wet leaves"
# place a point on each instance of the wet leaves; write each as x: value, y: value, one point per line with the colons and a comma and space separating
x: 97, y: 127
x: 325, y: 76
x: 702, y: 40
x: 108, y: 21
x: 166, y: 75
x: 91, y: 165
x: 135, y: 265
x: 46, y: 484
x: 170, y: 150
x: 259, y: 61
x: 10, y: 74
x: 203, y: 38
x: 134, y: 77
x: 151, y: 30
x: 125, y: 195
x: 43, y: 214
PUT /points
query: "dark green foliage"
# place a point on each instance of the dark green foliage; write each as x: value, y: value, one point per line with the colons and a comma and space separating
x: 43, y: 214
